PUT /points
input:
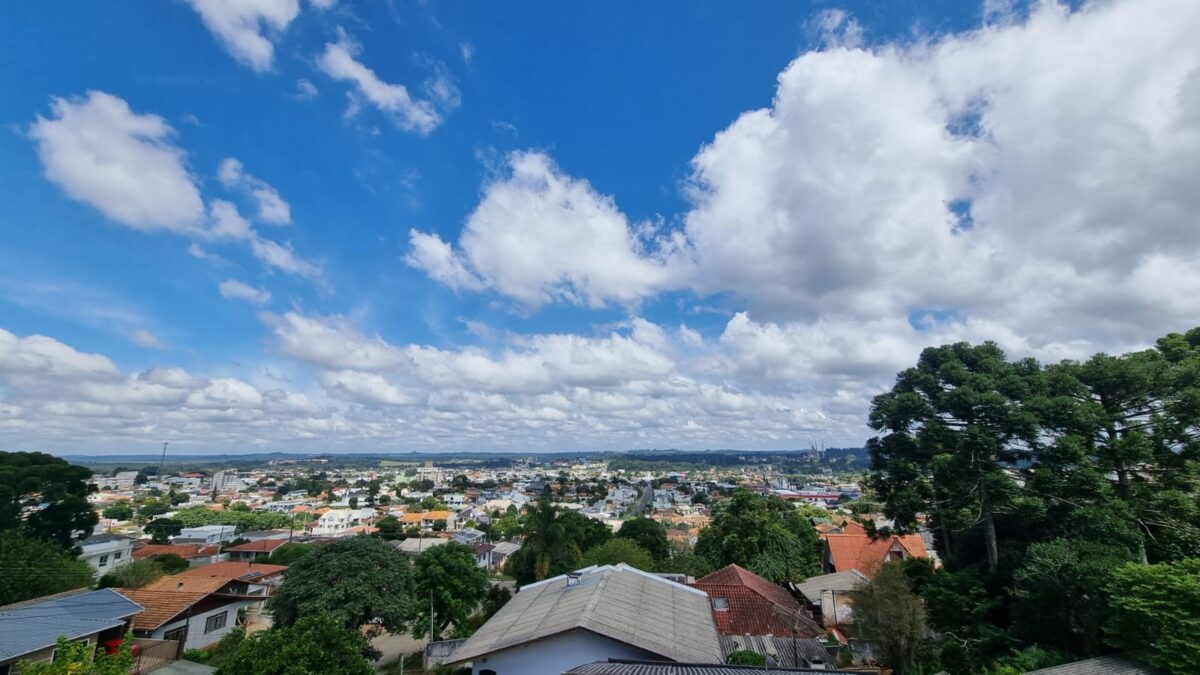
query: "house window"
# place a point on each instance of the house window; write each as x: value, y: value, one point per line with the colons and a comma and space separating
x: 721, y: 604
x: 215, y: 622
x: 103, y: 560
x: 116, y: 556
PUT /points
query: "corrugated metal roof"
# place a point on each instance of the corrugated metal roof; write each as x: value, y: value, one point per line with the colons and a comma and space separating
x: 617, y: 602
x: 838, y: 581
x: 1113, y: 664
x: 617, y: 667
x: 37, y: 625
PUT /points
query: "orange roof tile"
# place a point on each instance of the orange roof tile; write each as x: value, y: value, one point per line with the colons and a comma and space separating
x: 161, y: 606
x: 233, y: 570
x: 750, y: 605
x: 181, y: 550
x: 859, y: 552
x: 180, y: 583
x: 260, y: 546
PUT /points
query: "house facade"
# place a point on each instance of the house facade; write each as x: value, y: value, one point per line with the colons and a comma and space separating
x: 105, y: 552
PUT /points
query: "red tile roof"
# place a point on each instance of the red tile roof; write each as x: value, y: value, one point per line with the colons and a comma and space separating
x: 754, y: 605
x: 181, y: 550
x: 260, y: 546
x: 161, y: 606
x: 235, y: 570
x: 856, y: 551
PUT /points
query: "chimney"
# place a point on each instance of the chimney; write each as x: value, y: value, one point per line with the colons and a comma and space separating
x: 572, y: 579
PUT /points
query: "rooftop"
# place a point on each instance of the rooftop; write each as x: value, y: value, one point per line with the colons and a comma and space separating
x: 620, y: 667
x: 812, y: 587
x: 161, y: 606
x: 242, y: 571
x: 34, y: 625
x: 617, y: 602
x: 751, y: 605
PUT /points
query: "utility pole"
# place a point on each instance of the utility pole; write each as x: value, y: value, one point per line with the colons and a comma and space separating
x: 162, y: 459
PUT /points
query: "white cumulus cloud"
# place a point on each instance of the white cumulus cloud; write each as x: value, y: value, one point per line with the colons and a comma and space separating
x: 245, y: 27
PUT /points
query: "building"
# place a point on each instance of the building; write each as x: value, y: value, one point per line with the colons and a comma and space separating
x: 29, y: 630
x: 828, y: 595
x: 594, y: 614
x: 343, y: 522
x: 744, y: 603
x: 196, y: 555
x: 626, y: 667
x: 252, y: 550
x: 429, y: 520
x: 195, y: 611
x: 853, y: 549
x: 207, y: 534
x: 104, y: 552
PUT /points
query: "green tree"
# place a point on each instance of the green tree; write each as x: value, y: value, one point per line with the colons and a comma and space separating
x: 169, y: 562
x: 553, y: 543
x: 888, y: 613
x: 648, y: 534
x: 955, y: 428
x: 46, y: 496
x: 288, y: 554
x: 315, y: 644
x: 496, y: 597
x: 1155, y: 614
x: 746, y: 657
x: 162, y: 529
x: 121, y: 510
x: 389, y: 528
x: 619, y: 550
x: 132, y: 574
x: 32, y: 568
x: 764, y: 535
x: 685, y: 562
x: 1059, y: 591
x: 448, y: 577
x: 357, y: 580
x: 74, y: 658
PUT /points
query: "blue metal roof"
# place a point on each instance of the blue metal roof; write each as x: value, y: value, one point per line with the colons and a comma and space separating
x: 37, y: 625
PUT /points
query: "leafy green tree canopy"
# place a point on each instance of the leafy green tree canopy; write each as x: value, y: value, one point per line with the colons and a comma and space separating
x: 315, y: 644
x: 619, y: 550
x: 74, y: 658
x: 31, y: 568
x: 288, y: 554
x: 357, y: 580
x: 56, y: 491
x: 448, y: 577
x: 1155, y: 614
x: 648, y: 534
x: 132, y: 574
x: 888, y: 613
x: 764, y: 535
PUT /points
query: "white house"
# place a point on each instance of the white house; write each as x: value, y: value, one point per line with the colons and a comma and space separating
x: 595, y: 614
x: 104, y: 552
x: 197, y: 618
x: 207, y: 534
x: 343, y: 522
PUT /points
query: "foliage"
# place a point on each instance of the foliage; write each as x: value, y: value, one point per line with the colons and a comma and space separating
x: 315, y: 644
x: 74, y: 658
x: 244, y: 521
x: 169, y: 562
x: 448, y: 577
x: 495, y: 598
x: 162, y: 529
x: 1059, y: 592
x: 888, y: 613
x: 745, y: 657
x: 619, y: 550
x: 220, y: 653
x: 121, y: 510
x: 685, y: 562
x: 31, y: 568
x: 648, y: 534
x: 1154, y: 615
x: 389, y: 528
x: 553, y: 543
x: 288, y: 554
x: 764, y: 535
x: 55, y: 490
x: 132, y: 575
x: 356, y: 580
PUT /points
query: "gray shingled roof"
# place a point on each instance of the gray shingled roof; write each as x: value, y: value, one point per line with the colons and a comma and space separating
x: 37, y: 625
x: 1113, y: 664
x: 618, y: 667
x: 617, y: 602
x: 812, y: 587
x: 105, y: 538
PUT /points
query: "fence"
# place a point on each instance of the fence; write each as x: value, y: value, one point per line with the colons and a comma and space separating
x: 154, y: 654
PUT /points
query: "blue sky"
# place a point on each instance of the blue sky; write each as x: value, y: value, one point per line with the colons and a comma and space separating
x: 551, y: 226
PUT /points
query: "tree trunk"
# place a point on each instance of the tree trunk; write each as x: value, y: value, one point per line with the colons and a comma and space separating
x: 989, y: 532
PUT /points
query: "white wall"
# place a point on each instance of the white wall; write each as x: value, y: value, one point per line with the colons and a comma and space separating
x: 92, y: 554
x: 557, y: 654
x: 196, y: 637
